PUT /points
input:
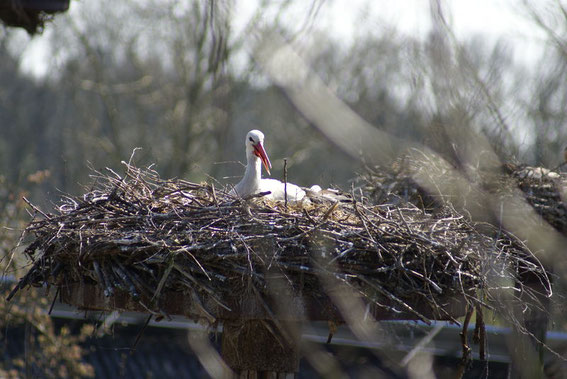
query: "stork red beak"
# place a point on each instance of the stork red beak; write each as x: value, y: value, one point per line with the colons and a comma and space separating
x: 261, y: 153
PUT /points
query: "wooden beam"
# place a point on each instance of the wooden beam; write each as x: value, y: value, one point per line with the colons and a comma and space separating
x: 314, y: 308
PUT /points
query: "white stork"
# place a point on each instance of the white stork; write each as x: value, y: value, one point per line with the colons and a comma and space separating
x: 252, y: 182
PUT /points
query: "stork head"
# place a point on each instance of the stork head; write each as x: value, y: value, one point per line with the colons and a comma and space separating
x: 255, y: 148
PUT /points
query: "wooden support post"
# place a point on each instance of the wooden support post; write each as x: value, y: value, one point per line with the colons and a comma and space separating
x: 261, y: 349
x: 526, y: 349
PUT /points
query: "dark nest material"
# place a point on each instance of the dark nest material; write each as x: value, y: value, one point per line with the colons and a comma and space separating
x: 542, y: 188
x: 148, y: 239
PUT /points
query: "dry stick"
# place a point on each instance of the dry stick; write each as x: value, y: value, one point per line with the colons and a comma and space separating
x: 184, y: 249
x: 466, y: 349
x: 133, y: 349
x: 259, y: 194
x: 333, y: 327
x: 328, y: 212
x: 135, y: 279
x: 395, y: 299
x: 213, y: 192
x: 162, y: 280
x: 23, y: 282
x: 362, y: 220
x: 308, y: 216
x: 103, y: 279
x: 209, y: 291
x: 54, y: 299
x: 480, y: 333
x: 36, y: 209
x: 285, y: 181
x: 130, y: 286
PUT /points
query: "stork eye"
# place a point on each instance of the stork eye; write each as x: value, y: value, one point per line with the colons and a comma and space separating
x: 250, y: 138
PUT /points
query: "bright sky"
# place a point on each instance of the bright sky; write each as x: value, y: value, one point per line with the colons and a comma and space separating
x: 493, y: 19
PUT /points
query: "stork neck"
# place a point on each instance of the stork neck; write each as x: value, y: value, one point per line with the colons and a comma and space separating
x: 253, y: 172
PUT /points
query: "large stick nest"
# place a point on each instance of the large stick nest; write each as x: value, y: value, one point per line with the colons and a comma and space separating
x: 149, y: 237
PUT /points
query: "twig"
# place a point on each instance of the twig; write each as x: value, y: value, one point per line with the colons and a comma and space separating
x: 466, y: 358
x: 285, y: 181
x: 479, y: 335
x: 36, y: 209
x: 140, y: 333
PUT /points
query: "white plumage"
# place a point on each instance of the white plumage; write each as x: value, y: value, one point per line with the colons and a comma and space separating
x: 252, y: 182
